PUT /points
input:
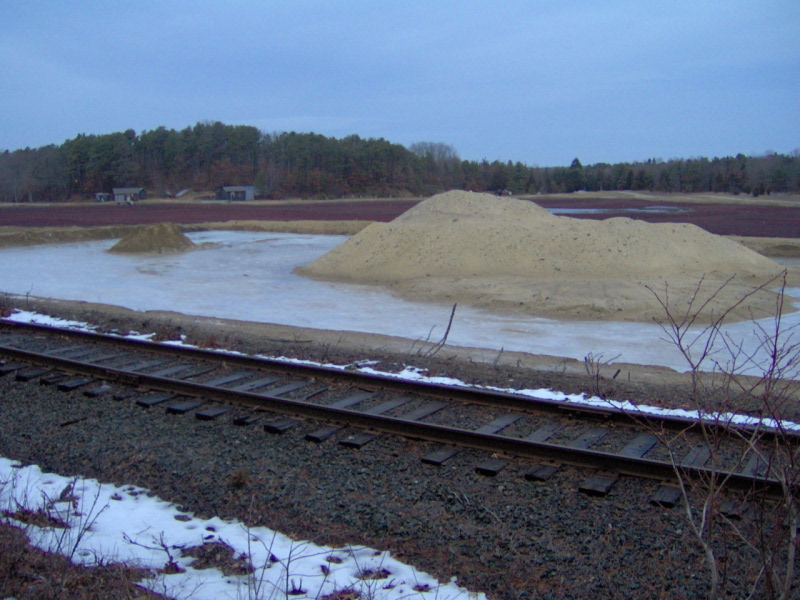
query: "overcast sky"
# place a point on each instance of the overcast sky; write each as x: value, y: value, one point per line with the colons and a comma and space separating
x: 540, y: 82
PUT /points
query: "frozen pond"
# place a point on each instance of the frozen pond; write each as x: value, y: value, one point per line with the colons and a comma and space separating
x: 249, y: 277
x: 602, y: 211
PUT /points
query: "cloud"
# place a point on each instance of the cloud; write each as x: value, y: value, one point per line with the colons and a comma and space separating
x: 525, y: 80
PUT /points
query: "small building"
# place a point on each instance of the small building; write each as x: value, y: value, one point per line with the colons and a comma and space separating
x: 129, y: 194
x: 102, y: 197
x: 236, y: 192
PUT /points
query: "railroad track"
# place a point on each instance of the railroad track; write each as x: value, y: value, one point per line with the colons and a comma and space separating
x: 353, y: 408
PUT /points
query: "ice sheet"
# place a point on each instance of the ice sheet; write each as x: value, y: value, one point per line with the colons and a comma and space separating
x: 249, y: 277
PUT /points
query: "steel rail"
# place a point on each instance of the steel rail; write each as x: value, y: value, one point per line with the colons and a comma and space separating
x: 494, y: 398
x: 554, y: 453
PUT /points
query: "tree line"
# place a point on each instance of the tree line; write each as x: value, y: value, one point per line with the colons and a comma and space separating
x: 289, y: 164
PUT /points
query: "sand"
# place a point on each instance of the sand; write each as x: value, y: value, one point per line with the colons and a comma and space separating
x: 159, y: 238
x: 508, y: 254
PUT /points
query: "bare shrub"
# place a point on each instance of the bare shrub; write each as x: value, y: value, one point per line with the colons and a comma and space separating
x: 594, y: 365
x: 728, y: 376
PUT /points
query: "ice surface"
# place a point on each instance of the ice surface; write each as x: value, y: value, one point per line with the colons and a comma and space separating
x: 249, y: 277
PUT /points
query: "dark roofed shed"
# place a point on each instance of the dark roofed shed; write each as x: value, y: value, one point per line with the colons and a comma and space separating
x: 236, y: 192
x: 129, y: 194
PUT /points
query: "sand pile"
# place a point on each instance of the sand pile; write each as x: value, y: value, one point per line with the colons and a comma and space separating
x: 504, y: 253
x: 160, y: 238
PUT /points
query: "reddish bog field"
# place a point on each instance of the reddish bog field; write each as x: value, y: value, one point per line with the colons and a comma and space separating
x: 723, y: 219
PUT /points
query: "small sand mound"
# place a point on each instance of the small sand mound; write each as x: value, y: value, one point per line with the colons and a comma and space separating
x: 507, y: 253
x: 160, y: 238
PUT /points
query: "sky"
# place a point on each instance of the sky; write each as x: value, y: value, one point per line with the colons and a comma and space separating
x: 541, y: 82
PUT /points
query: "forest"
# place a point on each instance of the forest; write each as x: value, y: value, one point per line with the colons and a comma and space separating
x: 289, y: 164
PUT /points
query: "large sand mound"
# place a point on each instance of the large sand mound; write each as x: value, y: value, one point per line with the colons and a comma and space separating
x: 506, y: 253
x: 160, y: 238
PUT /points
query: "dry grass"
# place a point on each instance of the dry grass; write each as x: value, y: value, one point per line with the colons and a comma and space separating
x: 220, y: 556
x: 27, y: 573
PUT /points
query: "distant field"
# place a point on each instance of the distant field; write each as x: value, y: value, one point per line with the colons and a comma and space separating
x: 741, y: 216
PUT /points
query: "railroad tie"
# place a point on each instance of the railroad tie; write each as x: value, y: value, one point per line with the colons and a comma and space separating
x: 280, y: 425
x: 697, y: 457
x: 352, y: 400
x: 285, y: 389
x: 499, y: 424
x: 151, y: 400
x: 494, y: 465
x: 168, y: 371
x: 600, y: 484
x: 362, y: 438
x: 439, y: 457
x: 388, y: 405
x: 229, y: 378
x: 91, y: 357
x: 668, y: 496
x: 55, y: 377
x: 123, y: 362
x: 731, y: 510
x: 211, y: 413
x: 325, y: 433
x: 196, y: 372
x: 255, y: 384
x: 143, y: 365
x: 74, y: 384
x: 583, y: 442
x: 183, y: 406
x: 540, y: 436
x: 11, y: 367
x: 755, y: 467
x: 99, y: 390
x: 358, y: 440
x: 32, y: 373
x: 67, y: 350
x: 108, y: 356
x: 425, y: 410
x: 248, y: 419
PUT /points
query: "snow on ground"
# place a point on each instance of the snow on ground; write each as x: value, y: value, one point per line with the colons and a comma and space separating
x: 127, y: 525
x: 255, y: 269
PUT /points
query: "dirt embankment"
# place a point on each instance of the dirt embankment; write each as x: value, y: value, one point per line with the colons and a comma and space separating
x: 506, y: 254
x: 26, y: 236
x: 775, y: 247
x: 310, y: 227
